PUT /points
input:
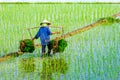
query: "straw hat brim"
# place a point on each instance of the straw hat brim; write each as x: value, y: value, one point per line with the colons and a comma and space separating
x: 45, y: 22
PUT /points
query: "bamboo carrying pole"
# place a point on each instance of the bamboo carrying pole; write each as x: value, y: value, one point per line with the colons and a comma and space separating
x: 39, y: 27
x: 38, y: 45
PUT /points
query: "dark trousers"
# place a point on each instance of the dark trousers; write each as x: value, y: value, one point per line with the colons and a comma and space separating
x: 44, y: 48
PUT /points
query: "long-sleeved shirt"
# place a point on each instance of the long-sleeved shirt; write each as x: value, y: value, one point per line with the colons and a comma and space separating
x: 44, y: 34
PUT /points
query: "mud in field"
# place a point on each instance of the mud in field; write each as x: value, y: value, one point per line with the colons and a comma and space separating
x: 10, y: 55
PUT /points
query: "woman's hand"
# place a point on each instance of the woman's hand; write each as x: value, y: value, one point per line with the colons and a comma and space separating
x: 33, y: 39
x: 57, y: 32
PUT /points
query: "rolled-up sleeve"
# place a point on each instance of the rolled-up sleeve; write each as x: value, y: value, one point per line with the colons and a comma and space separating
x: 37, y: 35
x: 49, y: 32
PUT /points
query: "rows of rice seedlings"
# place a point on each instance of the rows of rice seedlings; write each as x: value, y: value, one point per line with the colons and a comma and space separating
x: 98, y: 57
x: 92, y: 55
x: 70, y: 16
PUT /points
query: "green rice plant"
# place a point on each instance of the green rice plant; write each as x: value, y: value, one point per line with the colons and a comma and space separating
x: 96, y: 51
x: 27, y: 65
x: 27, y: 45
x: 110, y: 19
x: 62, y: 44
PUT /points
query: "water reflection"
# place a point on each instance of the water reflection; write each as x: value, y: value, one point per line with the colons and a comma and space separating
x: 51, y: 66
x: 43, y: 69
x: 27, y: 65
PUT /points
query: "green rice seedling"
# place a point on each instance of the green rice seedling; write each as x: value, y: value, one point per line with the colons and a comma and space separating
x: 49, y: 66
x: 110, y: 20
x: 62, y: 44
x: 97, y: 49
x: 27, y: 45
x: 27, y: 65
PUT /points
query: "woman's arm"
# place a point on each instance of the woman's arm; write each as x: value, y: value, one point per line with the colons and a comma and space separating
x: 37, y: 35
x: 56, y: 32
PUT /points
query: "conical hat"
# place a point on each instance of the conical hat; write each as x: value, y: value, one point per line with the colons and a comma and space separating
x: 45, y: 22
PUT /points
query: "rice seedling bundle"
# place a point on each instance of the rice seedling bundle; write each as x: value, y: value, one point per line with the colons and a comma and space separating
x: 27, y: 45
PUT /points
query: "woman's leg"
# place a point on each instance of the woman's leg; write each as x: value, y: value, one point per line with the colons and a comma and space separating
x: 49, y: 48
x: 43, y: 49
